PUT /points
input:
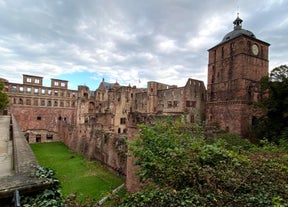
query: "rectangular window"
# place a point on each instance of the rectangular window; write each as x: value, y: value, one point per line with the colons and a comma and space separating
x: 38, y: 138
x: 42, y: 102
x: 14, y: 88
x: 175, y: 103
x: 49, y: 92
x: 56, y: 92
x: 28, y: 101
x: 56, y: 83
x: 37, y: 80
x: 28, y: 80
x: 43, y: 91
x: 35, y: 102
x: 49, y: 136
x: 62, y: 84
x: 36, y: 90
x: 122, y: 120
x: 21, y: 89
x: 28, y: 90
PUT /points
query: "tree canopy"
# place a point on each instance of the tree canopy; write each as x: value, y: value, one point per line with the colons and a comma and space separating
x: 273, y: 124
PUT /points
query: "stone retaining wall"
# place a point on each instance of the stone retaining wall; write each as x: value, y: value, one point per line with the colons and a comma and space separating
x: 24, y: 160
x: 23, y: 177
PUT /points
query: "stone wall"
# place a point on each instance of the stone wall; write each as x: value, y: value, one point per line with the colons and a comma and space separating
x: 94, y: 144
x: 24, y: 164
x: 43, y: 123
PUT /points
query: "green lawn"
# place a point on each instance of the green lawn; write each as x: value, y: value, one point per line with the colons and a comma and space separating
x: 77, y: 175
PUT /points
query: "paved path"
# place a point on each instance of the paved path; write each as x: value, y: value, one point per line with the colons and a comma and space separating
x: 5, y: 147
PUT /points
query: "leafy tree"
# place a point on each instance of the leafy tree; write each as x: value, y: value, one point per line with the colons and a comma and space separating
x: 180, y: 168
x: 273, y: 125
x: 3, y: 97
x: 162, y: 149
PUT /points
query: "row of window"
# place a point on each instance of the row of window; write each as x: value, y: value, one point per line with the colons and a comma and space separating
x: 174, y: 104
x: 36, y: 80
x: 62, y: 84
x: 38, y: 137
x: 39, y: 118
x: 43, y: 102
x: 43, y: 91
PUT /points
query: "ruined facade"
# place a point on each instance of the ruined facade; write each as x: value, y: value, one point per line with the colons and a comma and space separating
x: 98, y: 123
x: 95, y: 124
x: 40, y: 110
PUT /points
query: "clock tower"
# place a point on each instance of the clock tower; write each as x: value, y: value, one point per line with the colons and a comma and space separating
x: 235, y: 67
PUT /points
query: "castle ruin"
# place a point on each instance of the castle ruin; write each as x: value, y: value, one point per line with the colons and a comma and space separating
x: 97, y: 123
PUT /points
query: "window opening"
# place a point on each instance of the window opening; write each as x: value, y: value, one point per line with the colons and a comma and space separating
x: 49, y: 136
x: 38, y: 138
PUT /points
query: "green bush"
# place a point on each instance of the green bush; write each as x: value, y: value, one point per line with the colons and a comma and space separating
x: 180, y: 168
x: 51, y: 197
x: 234, y: 141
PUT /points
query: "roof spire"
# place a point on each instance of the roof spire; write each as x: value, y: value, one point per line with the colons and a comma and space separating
x: 237, y: 22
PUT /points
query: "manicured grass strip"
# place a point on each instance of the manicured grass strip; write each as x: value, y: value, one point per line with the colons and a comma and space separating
x: 77, y: 175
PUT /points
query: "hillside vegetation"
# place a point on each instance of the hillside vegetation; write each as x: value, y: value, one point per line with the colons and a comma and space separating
x: 180, y: 167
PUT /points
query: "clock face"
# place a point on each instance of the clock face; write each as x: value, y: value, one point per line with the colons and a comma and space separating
x: 255, y: 49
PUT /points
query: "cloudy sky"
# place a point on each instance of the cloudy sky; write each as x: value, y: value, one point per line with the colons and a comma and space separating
x: 128, y: 41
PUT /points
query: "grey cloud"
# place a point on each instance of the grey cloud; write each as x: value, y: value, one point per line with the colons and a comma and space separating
x: 115, y: 37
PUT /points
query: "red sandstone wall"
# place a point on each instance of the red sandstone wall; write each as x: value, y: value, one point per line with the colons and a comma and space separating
x: 235, y: 118
x: 132, y: 180
x: 107, y: 148
x: 42, y: 121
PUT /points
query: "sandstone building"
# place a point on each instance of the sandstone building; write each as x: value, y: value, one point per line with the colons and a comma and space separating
x: 235, y: 67
x: 41, y: 110
x: 97, y: 123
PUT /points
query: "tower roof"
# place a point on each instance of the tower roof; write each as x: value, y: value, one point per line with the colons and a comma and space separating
x: 238, y: 31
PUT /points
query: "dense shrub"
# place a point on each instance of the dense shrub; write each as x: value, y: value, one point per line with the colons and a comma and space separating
x: 49, y: 197
x: 180, y: 168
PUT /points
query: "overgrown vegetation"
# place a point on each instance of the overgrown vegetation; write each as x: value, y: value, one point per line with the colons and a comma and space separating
x: 49, y: 197
x: 181, y: 168
x: 81, y: 180
x: 273, y: 124
x: 3, y: 97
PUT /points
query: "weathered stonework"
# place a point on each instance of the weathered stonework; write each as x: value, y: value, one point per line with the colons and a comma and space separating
x: 22, y: 177
x: 235, y: 67
x: 97, y: 123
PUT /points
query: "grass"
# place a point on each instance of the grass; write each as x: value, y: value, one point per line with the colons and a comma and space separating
x: 77, y: 175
